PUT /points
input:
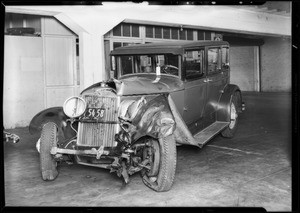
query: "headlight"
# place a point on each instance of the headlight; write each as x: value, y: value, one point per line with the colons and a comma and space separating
x: 74, y: 107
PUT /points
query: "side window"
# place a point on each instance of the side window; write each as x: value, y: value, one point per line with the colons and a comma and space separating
x: 214, y: 60
x: 194, y: 63
x: 225, y: 57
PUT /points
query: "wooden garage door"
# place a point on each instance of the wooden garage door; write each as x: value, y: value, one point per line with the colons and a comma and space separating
x: 60, y: 69
x: 244, y: 67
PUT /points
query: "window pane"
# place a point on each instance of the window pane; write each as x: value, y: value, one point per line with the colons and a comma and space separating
x: 194, y: 64
x: 189, y: 34
x: 126, y: 30
x: 117, y: 44
x: 174, y: 33
x: 117, y: 30
x: 126, y: 65
x: 200, y: 35
x: 149, y: 31
x: 135, y: 31
x: 34, y: 22
x: 17, y: 20
x: 213, y: 60
x: 207, y: 35
x: 225, y: 56
x: 182, y: 34
x: 166, y: 32
x: 158, y: 32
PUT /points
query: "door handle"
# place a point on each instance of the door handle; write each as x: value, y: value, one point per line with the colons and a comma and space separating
x: 207, y: 80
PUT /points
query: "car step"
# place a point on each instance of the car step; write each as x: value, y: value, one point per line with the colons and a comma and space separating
x: 206, y: 134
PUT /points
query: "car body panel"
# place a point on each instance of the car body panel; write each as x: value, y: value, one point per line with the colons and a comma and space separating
x: 57, y: 116
x: 127, y: 85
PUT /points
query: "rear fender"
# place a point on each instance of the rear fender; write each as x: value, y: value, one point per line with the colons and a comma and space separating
x: 55, y: 115
x: 223, y: 113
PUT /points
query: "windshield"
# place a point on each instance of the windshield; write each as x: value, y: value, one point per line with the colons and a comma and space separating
x: 130, y: 64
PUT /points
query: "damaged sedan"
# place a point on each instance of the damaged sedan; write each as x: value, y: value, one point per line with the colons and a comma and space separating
x: 159, y: 96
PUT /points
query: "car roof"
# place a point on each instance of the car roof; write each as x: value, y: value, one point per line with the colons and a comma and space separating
x: 173, y: 47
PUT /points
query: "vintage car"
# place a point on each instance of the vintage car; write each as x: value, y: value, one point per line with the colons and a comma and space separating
x: 160, y: 95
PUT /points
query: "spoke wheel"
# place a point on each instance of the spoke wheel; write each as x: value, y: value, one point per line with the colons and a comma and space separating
x: 232, y: 127
x: 160, y: 176
x: 233, y: 116
x: 152, y: 153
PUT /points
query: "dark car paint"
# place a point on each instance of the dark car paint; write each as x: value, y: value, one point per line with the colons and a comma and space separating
x: 177, y: 88
x: 57, y: 116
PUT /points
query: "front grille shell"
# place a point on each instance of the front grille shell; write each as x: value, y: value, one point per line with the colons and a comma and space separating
x: 98, y: 132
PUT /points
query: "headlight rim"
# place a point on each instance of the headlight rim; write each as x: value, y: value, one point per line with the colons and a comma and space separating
x: 72, y: 97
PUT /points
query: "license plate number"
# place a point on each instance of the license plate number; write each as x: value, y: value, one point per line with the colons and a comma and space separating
x: 94, y: 114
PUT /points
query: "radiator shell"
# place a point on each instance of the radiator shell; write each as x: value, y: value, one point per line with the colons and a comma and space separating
x: 101, y: 131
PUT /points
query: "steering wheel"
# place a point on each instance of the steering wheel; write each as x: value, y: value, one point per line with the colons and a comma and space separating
x: 169, y: 69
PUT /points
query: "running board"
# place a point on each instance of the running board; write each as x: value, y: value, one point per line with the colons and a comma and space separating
x: 209, y: 132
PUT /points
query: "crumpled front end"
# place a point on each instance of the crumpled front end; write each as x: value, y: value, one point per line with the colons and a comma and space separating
x: 149, y: 116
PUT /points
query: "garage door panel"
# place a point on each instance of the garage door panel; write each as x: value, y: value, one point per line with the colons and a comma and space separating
x: 57, y: 96
x: 243, y: 66
x: 60, y: 61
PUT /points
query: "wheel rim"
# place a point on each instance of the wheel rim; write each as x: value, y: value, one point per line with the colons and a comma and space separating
x: 152, y: 152
x: 233, y: 116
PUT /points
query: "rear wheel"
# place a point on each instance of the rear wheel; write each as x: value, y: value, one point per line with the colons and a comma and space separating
x: 232, y: 127
x: 162, y: 156
x: 48, y: 140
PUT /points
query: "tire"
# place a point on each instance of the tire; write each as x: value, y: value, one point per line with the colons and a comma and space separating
x: 164, y: 179
x: 232, y: 127
x: 48, y: 165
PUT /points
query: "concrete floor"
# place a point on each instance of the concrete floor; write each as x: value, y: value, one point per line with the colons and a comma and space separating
x: 251, y: 170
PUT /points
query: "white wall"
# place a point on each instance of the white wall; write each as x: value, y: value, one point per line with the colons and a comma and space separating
x: 23, y: 93
x: 276, y: 65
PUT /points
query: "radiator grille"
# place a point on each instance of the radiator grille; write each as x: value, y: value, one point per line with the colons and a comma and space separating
x: 98, y: 132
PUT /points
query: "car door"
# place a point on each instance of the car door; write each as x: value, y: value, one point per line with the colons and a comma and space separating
x: 195, y: 87
x: 216, y: 78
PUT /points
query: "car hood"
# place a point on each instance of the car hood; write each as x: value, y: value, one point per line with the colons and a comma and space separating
x: 138, y: 84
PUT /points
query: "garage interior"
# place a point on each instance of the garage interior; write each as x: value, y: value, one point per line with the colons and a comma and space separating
x: 253, y: 169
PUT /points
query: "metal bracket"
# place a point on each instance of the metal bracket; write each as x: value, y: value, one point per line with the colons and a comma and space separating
x: 98, y: 152
x: 92, y: 151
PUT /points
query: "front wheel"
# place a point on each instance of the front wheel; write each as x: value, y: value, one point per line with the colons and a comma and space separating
x: 162, y: 156
x: 47, y: 162
x: 232, y: 127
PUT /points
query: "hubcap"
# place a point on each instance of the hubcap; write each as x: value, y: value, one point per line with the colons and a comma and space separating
x: 233, y: 116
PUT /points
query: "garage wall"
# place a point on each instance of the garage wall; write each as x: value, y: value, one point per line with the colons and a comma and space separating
x: 243, y: 67
x: 23, y: 84
x: 276, y: 65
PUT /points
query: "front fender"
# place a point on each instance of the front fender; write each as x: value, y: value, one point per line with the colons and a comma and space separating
x: 223, y: 112
x: 55, y: 115
x: 157, y: 118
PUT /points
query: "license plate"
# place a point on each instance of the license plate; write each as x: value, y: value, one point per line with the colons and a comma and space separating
x: 93, y: 114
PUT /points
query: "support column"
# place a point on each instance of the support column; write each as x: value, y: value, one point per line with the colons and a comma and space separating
x: 91, y: 59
